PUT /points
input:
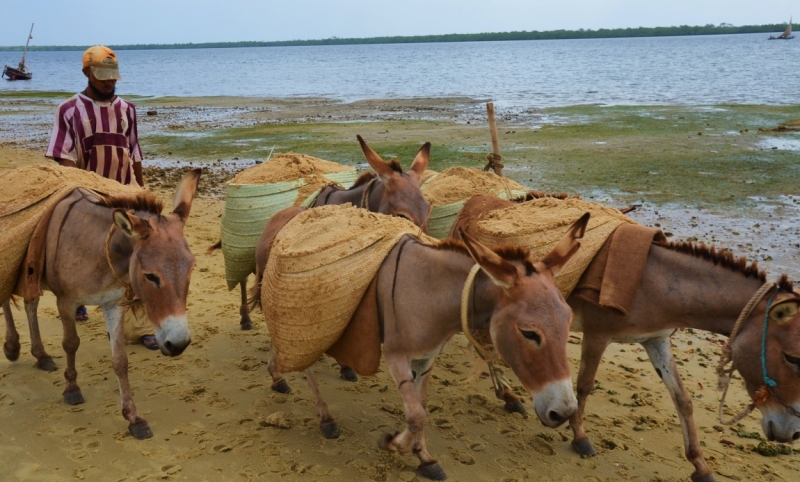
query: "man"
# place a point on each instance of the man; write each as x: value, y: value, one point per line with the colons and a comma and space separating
x: 95, y: 130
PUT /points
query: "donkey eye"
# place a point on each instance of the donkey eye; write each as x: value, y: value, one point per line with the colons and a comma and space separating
x: 153, y: 279
x: 532, y: 335
x: 793, y: 360
x: 399, y: 215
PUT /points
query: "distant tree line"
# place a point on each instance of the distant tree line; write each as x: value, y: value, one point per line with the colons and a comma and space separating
x: 682, y: 30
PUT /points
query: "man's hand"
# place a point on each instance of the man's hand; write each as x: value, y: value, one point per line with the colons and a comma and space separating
x: 66, y: 162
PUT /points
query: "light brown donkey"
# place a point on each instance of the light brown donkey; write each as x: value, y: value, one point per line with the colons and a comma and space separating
x: 691, y: 286
x: 387, y: 190
x: 94, y: 248
x: 418, y: 300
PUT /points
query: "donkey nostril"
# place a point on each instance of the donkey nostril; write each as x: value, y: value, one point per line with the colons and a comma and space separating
x: 796, y: 436
x: 555, y: 416
x: 168, y: 345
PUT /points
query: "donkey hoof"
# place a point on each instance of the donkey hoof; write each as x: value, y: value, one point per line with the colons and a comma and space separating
x: 140, y: 430
x: 246, y: 325
x: 703, y: 478
x: 74, y: 398
x: 432, y: 470
x: 584, y: 448
x: 281, y: 387
x: 46, y: 364
x: 385, y: 442
x: 11, y: 354
x: 329, y: 430
x: 516, y: 407
x: 348, y: 374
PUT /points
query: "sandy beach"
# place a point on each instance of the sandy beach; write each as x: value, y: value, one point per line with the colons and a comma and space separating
x: 211, y: 409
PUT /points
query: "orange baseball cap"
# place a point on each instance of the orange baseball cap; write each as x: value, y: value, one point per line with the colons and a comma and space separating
x: 103, y: 62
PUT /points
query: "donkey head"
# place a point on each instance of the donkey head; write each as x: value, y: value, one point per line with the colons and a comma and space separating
x: 161, y: 265
x: 401, y: 193
x: 782, y: 354
x: 530, y: 323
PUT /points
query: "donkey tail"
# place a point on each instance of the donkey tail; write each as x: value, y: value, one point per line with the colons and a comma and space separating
x: 254, y: 297
x: 214, y: 247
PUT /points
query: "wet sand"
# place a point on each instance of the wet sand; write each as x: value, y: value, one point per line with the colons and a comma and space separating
x: 213, y: 414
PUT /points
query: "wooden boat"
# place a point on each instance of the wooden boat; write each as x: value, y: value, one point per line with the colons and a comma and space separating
x: 786, y: 35
x: 22, y: 71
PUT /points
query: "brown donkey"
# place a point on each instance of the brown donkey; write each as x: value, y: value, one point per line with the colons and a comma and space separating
x: 96, y: 249
x: 387, y: 190
x: 690, y: 286
x: 419, y: 309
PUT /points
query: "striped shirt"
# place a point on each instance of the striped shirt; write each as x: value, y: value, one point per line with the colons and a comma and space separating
x: 98, y: 137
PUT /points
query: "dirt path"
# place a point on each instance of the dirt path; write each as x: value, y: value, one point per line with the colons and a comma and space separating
x: 209, y: 409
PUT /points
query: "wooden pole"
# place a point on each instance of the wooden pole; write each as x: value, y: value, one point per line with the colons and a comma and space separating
x: 496, y: 161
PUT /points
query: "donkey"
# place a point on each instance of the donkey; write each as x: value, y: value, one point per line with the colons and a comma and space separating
x: 418, y: 307
x: 146, y: 261
x: 689, y: 286
x: 387, y: 190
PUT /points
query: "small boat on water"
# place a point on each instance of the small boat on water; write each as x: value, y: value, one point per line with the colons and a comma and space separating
x: 786, y: 35
x: 22, y: 71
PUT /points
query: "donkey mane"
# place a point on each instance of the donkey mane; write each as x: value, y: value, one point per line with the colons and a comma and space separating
x: 396, y: 167
x: 721, y: 257
x: 785, y: 284
x: 508, y: 252
x: 145, y: 201
x: 363, y: 179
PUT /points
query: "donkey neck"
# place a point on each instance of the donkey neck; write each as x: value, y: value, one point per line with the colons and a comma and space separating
x: 354, y: 196
x: 694, y: 292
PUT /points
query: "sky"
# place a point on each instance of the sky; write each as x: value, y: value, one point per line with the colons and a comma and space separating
x: 60, y: 22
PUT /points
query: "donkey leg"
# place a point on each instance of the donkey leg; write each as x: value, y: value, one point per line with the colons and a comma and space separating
x: 347, y: 373
x: 513, y: 403
x: 278, y: 382
x: 137, y: 426
x: 11, y: 346
x: 660, y: 353
x: 71, y: 341
x: 592, y: 350
x: 413, y: 405
x: 244, y: 310
x: 326, y: 422
x: 43, y: 360
x: 428, y: 466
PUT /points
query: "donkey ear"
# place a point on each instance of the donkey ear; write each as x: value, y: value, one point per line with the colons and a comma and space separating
x: 421, y: 161
x: 500, y: 271
x: 131, y: 225
x: 185, y: 194
x: 567, y: 247
x: 377, y: 164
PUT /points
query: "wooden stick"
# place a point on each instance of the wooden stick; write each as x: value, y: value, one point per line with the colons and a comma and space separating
x: 498, y: 169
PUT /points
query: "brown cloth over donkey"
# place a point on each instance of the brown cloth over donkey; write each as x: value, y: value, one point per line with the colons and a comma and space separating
x: 322, y: 263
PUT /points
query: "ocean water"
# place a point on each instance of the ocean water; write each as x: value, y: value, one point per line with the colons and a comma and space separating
x: 699, y: 70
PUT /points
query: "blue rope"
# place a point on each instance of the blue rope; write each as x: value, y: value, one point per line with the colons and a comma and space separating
x: 769, y: 381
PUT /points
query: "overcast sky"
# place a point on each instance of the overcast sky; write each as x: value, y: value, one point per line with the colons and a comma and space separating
x: 60, y: 22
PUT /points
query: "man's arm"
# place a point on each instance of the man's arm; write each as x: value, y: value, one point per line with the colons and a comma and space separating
x: 137, y: 172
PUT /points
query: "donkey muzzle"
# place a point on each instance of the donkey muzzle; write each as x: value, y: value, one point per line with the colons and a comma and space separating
x: 173, y: 337
x: 555, y: 403
x: 779, y: 425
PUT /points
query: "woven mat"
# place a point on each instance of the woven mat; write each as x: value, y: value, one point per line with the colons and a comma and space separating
x: 540, y: 224
x: 26, y: 194
x: 319, y: 268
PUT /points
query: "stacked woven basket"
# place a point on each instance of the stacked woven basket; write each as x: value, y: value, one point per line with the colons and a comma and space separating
x: 254, y: 195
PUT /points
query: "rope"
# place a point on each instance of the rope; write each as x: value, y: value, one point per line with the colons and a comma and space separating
x: 494, y: 161
x: 131, y: 300
x: 726, y: 357
x: 366, y: 193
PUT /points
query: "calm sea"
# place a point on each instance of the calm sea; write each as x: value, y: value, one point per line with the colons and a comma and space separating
x: 741, y: 69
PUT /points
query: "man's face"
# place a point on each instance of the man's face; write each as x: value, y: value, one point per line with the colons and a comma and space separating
x: 104, y: 89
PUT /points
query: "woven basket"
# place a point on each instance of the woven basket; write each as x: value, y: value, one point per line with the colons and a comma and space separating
x: 26, y: 194
x: 248, y: 207
x: 319, y: 268
x: 541, y: 223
